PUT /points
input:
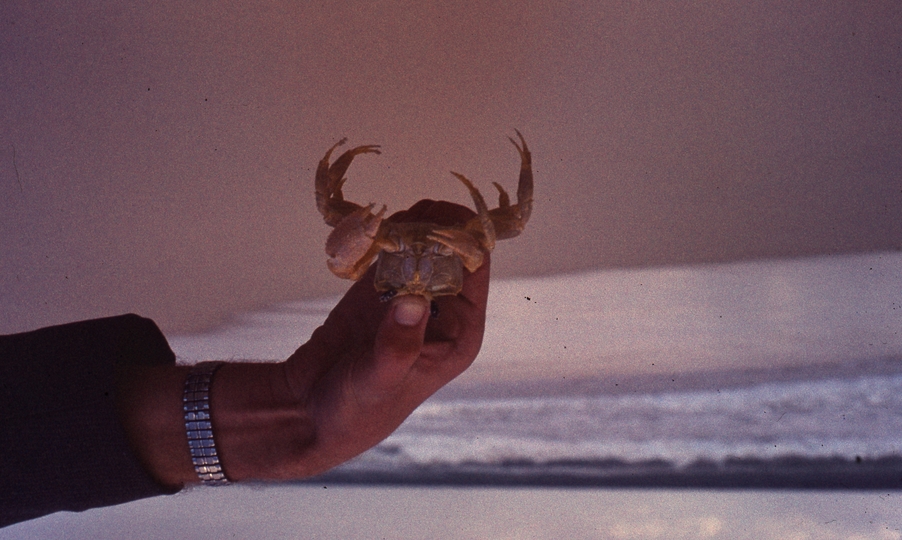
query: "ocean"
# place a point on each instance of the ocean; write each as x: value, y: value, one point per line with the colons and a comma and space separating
x: 783, y: 373
x: 841, y: 433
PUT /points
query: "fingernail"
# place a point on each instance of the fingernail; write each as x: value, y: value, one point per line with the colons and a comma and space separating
x: 409, y: 310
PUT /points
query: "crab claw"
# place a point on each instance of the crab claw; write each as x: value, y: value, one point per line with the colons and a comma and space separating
x: 352, y: 245
x: 329, y: 180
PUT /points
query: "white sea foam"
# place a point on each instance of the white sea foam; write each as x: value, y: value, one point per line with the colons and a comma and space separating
x: 811, y: 419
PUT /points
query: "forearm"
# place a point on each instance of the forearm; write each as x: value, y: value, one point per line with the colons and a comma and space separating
x: 150, y: 409
x: 62, y: 445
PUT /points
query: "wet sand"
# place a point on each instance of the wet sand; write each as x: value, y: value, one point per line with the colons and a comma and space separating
x: 786, y: 472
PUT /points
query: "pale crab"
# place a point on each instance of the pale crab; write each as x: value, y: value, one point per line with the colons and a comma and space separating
x: 426, y: 259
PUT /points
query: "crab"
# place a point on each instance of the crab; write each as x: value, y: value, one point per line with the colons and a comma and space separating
x: 420, y: 258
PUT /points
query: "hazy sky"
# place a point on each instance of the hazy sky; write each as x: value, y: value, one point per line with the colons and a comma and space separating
x: 158, y: 157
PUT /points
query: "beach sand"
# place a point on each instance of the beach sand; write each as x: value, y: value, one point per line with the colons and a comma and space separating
x: 342, y: 512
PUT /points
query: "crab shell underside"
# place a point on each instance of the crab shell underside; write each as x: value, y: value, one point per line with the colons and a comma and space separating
x: 414, y: 258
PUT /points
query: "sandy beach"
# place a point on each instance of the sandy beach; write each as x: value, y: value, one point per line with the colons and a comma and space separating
x: 350, y: 513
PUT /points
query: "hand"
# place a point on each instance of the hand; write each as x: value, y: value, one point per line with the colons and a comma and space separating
x: 372, y: 363
x: 361, y: 374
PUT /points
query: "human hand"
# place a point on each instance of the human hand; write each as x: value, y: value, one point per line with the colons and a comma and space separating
x: 362, y: 373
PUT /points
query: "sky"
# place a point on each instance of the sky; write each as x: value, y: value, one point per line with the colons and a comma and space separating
x: 158, y: 157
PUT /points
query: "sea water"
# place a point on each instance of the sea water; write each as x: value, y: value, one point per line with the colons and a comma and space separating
x: 833, y: 421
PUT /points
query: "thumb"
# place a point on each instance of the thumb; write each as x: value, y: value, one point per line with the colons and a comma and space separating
x: 399, y: 341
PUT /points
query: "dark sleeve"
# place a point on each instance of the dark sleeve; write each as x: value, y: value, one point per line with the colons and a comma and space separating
x: 61, y: 444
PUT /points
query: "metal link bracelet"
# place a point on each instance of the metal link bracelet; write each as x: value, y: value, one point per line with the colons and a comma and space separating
x: 199, y: 427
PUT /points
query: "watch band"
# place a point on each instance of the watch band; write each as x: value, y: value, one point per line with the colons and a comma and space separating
x: 199, y: 427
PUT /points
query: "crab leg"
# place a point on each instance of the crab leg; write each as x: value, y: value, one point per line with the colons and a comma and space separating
x: 482, y: 211
x: 463, y: 243
x: 524, y: 186
x: 510, y: 220
x: 329, y: 180
x: 356, y: 239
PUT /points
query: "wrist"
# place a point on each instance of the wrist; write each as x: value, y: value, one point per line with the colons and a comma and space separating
x: 261, y: 432
x: 199, y: 425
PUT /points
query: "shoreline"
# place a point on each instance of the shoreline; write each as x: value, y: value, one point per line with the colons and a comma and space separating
x: 787, y: 472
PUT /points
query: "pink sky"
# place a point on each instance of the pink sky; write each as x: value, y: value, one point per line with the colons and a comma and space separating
x: 159, y: 157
